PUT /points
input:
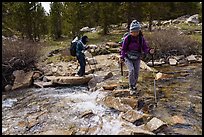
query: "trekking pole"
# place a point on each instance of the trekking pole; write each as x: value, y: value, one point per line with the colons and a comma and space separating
x: 154, y: 80
x: 121, y: 70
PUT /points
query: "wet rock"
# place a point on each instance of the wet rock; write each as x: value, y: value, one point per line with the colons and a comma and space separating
x: 115, y: 103
x: 36, y: 75
x: 42, y: 84
x: 4, y: 130
x: 172, y: 61
x: 8, y: 87
x: 110, y: 87
x: 86, y: 114
x: 22, y: 79
x: 133, y: 130
x: 129, y: 101
x: 93, y: 82
x: 132, y: 116
x: 69, y: 80
x: 154, y: 124
x: 108, y: 75
x: 178, y: 120
x: 121, y: 93
x: 57, y: 132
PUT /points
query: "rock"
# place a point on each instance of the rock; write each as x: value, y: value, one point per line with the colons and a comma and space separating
x: 69, y: 80
x: 143, y: 65
x: 93, y: 82
x: 133, y: 130
x: 113, y: 44
x: 91, y: 46
x: 108, y: 75
x: 193, y: 19
x: 45, y: 79
x: 199, y: 59
x: 8, y: 87
x: 183, y: 62
x: 22, y: 80
x: 57, y: 132
x: 132, y: 116
x: 156, y: 63
x: 42, y: 84
x: 158, y: 76
x: 85, y: 29
x: 178, y: 57
x: 121, y: 93
x: 115, y: 103
x: 129, y: 101
x: 178, y: 120
x: 110, y: 87
x: 88, y: 54
x: 191, y: 58
x: 36, y: 75
x: 91, y: 61
x: 172, y: 61
x: 155, y: 124
x: 86, y: 114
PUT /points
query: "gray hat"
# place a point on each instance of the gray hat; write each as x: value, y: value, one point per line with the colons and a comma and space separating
x: 135, y: 26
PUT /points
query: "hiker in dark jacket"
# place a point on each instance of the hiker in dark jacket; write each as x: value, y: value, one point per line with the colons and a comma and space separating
x: 80, y: 48
x: 134, y: 46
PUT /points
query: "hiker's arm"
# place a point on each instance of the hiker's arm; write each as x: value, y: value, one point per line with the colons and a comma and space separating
x: 79, y: 48
x: 124, y: 48
x: 145, y: 47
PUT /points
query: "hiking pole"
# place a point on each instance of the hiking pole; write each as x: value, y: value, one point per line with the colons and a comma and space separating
x: 154, y: 80
x: 121, y: 69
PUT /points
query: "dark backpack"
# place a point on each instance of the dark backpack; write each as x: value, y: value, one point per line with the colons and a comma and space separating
x: 73, y: 46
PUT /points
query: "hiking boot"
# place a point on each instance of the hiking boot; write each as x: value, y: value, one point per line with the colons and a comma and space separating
x: 133, y: 90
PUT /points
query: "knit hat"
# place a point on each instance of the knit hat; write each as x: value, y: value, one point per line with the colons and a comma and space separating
x: 135, y: 26
x: 84, y: 39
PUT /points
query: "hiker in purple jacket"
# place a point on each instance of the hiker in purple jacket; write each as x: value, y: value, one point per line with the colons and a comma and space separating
x: 132, y: 47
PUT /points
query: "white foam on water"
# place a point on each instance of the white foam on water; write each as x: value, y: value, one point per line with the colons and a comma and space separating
x: 8, y: 102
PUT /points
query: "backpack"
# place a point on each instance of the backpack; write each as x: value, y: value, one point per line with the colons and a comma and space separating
x: 73, y: 46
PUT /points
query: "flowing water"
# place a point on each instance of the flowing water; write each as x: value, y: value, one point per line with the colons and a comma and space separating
x: 60, y: 110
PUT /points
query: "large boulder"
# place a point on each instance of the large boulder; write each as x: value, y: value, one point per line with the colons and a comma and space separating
x: 22, y: 79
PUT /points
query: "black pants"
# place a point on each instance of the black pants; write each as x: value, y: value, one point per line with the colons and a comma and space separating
x: 82, y: 62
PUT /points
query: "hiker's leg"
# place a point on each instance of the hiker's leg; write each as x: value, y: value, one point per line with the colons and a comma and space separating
x: 136, y: 65
x: 83, y: 65
x: 130, y: 66
x: 82, y: 62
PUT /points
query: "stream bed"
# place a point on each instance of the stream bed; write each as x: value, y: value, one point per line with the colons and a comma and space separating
x: 60, y: 110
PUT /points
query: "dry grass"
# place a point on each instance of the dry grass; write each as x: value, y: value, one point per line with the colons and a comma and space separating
x: 18, y: 55
x: 169, y: 42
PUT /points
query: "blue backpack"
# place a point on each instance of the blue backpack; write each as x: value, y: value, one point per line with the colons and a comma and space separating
x: 73, y: 46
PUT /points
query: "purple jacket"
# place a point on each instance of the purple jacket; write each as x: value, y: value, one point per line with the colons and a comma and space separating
x: 134, y: 45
